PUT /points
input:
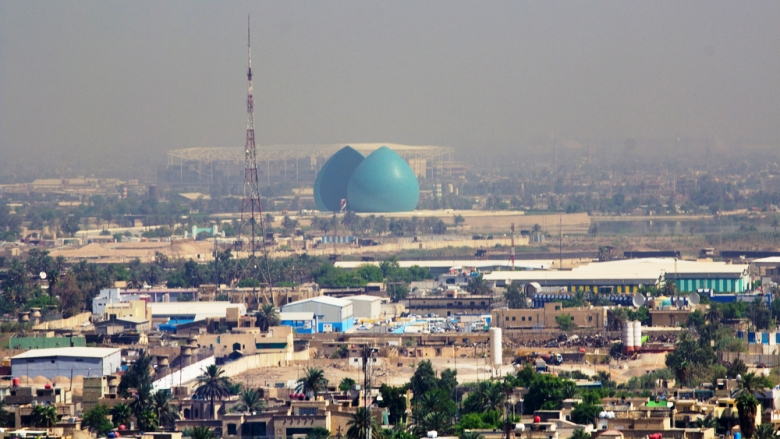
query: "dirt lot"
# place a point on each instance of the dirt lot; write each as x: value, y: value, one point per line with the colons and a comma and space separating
x: 469, y: 369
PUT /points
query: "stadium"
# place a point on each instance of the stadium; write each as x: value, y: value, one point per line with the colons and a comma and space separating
x: 295, y: 163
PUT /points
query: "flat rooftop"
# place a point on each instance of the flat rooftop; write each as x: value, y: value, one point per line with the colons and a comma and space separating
x: 81, y: 352
x: 446, y: 264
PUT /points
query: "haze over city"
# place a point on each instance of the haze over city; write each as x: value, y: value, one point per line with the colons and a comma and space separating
x: 92, y: 86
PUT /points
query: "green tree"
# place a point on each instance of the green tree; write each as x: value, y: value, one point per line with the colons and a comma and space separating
x: 397, y: 291
x: 585, y: 413
x: 488, y: 396
x: 202, y: 432
x: 747, y: 404
x: 267, y: 316
x: 147, y: 420
x: 738, y: 367
x: 44, y: 416
x: 212, y: 384
x: 470, y: 435
x: 546, y: 389
x: 96, y: 419
x: 318, y: 433
x: 167, y: 414
x: 121, y: 414
x: 565, y: 322
x: 394, y: 399
x: 250, y: 401
x: 346, y: 384
x: 478, y: 285
x: 371, y: 273
x: 5, y: 417
x: 423, y: 379
x: 765, y: 431
x: 580, y: 434
x: 448, y: 381
x: 696, y: 320
x: 313, y: 381
x: 515, y: 296
x: 359, y: 422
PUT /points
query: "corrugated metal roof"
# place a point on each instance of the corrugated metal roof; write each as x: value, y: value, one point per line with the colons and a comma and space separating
x: 68, y: 352
x: 288, y: 316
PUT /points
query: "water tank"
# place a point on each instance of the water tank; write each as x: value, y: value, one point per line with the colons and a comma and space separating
x: 496, y: 347
x: 15, y: 382
x: 628, y: 338
x: 637, y: 335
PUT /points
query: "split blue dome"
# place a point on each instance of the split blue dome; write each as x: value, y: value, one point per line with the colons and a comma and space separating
x: 379, y: 183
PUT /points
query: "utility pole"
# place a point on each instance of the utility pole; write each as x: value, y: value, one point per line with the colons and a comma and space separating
x: 560, y: 242
x: 512, y: 251
x: 367, y: 355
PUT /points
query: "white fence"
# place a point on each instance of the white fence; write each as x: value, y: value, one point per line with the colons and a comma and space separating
x: 184, y: 375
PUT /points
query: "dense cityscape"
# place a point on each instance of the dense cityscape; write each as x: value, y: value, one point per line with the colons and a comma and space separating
x: 577, y: 238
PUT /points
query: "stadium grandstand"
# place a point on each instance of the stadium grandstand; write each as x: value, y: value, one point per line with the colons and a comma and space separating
x: 195, y: 166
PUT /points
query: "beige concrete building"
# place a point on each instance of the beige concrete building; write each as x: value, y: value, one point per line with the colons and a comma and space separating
x: 586, y: 317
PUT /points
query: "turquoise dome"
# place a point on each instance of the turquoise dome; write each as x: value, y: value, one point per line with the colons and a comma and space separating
x: 383, y: 182
x: 330, y: 186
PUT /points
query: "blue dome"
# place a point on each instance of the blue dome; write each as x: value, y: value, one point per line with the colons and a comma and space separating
x: 383, y: 182
x: 330, y: 186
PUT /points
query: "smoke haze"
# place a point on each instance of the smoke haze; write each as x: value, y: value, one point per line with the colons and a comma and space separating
x: 101, y: 85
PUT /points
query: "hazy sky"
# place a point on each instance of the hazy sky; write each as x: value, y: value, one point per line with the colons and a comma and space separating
x: 103, y: 79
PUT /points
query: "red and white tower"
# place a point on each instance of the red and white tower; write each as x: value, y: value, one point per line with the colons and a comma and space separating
x: 251, y: 211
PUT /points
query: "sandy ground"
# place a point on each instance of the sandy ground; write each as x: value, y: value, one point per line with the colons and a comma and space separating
x: 469, y: 369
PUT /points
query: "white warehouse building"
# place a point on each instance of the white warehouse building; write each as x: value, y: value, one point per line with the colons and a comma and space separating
x: 67, y: 362
x: 366, y: 307
x: 332, y: 314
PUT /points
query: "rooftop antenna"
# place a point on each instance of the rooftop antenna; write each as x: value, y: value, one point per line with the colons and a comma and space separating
x: 251, y: 209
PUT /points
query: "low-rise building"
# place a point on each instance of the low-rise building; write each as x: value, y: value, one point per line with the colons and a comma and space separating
x: 301, y: 322
x: 333, y: 315
x: 586, y: 317
x: 67, y: 362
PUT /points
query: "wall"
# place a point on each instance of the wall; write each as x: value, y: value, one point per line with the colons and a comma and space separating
x: 270, y: 359
x: 70, y: 322
x: 178, y: 377
x: 525, y: 318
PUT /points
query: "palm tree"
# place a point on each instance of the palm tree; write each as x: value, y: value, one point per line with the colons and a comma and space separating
x: 318, y: 433
x: 202, y: 432
x: 267, y: 316
x: 750, y: 382
x: 167, y: 413
x: 213, y: 385
x: 765, y: 431
x: 708, y: 422
x: 438, y: 421
x: 120, y: 414
x: 714, y: 314
x: 478, y: 285
x: 747, y: 405
x: 313, y: 381
x: 580, y: 434
x: 473, y: 435
x: 143, y: 399
x: 147, y: 420
x: 250, y: 401
x: 488, y: 396
x: 44, y: 416
x: 670, y: 288
x: 357, y: 425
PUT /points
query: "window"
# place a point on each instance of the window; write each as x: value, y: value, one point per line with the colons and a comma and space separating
x: 307, y: 411
x: 79, y: 360
x: 513, y: 318
x: 232, y: 430
x: 523, y: 318
x: 557, y: 307
x: 507, y: 319
x: 590, y: 318
x: 572, y: 318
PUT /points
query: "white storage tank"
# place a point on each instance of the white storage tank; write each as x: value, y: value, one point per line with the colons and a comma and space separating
x: 628, y: 338
x: 496, y: 353
x: 637, y: 335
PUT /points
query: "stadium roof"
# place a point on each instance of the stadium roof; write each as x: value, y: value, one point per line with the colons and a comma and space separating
x: 292, y: 152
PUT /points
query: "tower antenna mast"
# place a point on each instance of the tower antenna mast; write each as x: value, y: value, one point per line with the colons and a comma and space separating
x: 251, y: 210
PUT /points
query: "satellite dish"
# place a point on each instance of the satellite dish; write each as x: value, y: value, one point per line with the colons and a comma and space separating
x: 693, y: 299
x: 43, y: 275
x: 680, y: 302
x: 638, y: 300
